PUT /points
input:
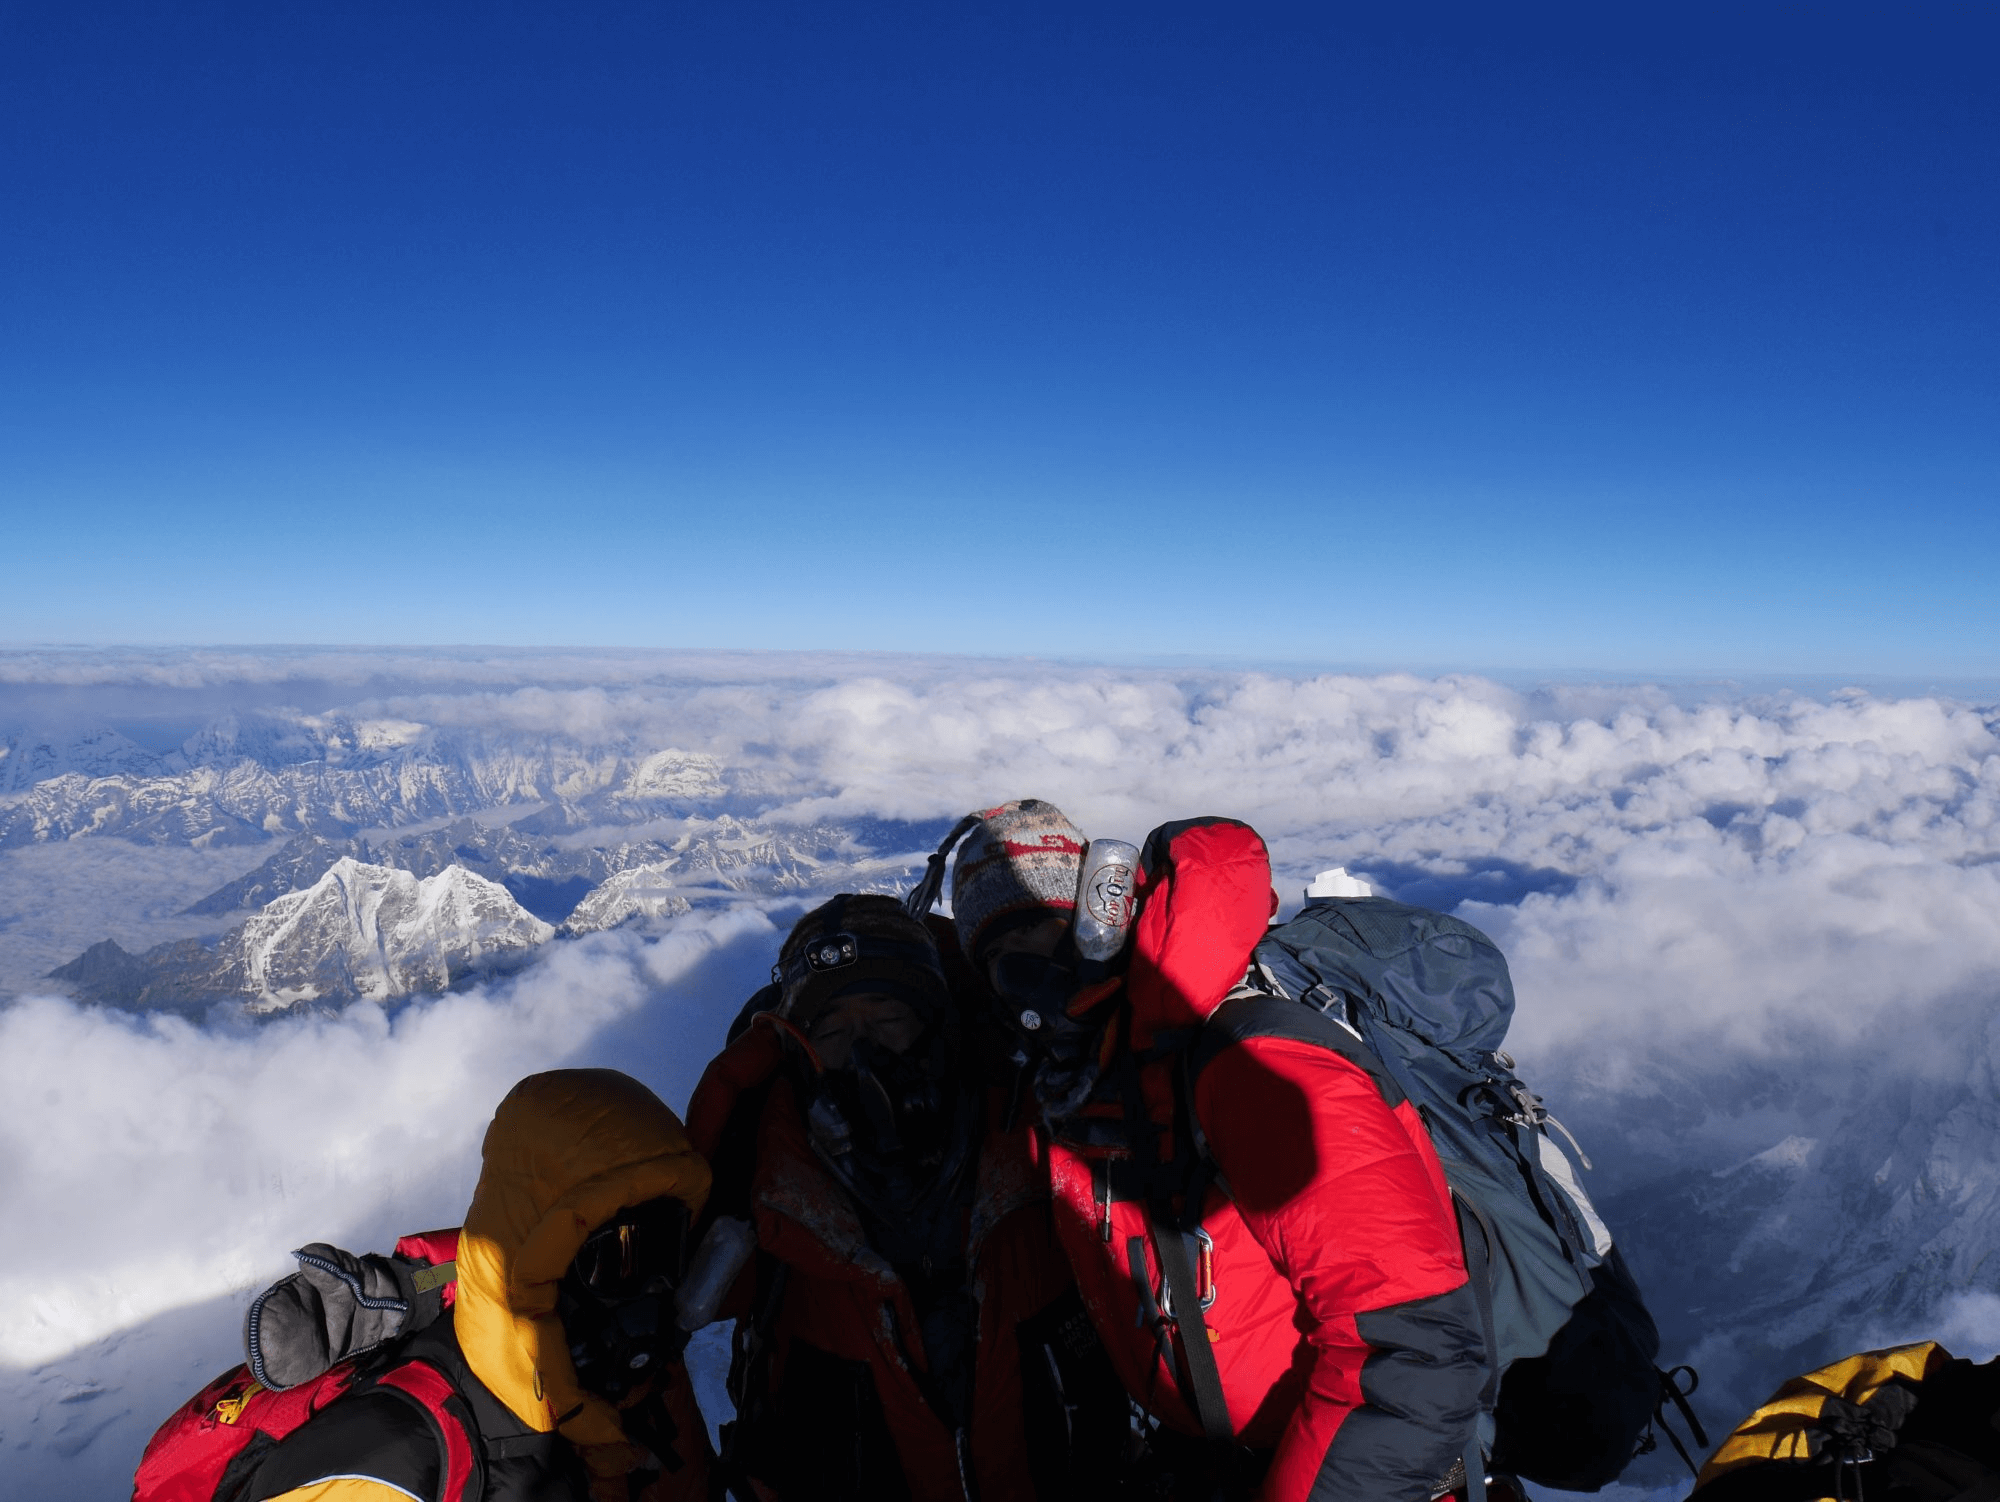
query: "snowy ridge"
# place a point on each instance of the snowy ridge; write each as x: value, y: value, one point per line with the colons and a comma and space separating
x: 674, y: 774
x: 243, y: 780
x: 640, y: 892
x: 358, y: 933
x: 27, y: 758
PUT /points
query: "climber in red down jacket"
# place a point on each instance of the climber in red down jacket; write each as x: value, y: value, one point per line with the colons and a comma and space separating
x: 1339, y: 1353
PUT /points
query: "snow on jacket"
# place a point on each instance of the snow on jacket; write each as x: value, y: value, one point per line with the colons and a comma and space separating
x: 843, y: 1409
x: 1346, y: 1335
x: 566, y: 1151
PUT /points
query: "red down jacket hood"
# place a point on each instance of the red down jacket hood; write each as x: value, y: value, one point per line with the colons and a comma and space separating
x: 1205, y: 899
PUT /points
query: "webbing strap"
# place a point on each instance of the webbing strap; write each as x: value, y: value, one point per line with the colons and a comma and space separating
x: 1479, y: 1273
x: 1475, y: 1470
x: 923, y: 897
x: 1204, y: 1377
x: 1672, y: 1391
x: 1473, y: 1237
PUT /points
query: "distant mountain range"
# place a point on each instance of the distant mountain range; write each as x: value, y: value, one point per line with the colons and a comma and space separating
x: 409, y: 858
x: 436, y: 909
x: 549, y: 869
x: 246, y: 779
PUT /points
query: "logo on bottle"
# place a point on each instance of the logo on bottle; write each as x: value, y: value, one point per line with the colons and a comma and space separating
x: 1109, y: 899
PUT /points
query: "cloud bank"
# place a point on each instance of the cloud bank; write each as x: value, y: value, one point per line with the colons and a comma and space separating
x: 1695, y: 893
x: 157, y: 1173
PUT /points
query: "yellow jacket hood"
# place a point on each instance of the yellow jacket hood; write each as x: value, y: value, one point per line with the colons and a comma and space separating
x: 566, y: 1151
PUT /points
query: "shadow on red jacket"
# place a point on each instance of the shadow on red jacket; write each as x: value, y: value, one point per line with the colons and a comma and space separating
x: 1325, y: 1251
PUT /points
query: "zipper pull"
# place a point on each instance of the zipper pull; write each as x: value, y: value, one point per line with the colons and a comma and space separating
x: 229, y: 1410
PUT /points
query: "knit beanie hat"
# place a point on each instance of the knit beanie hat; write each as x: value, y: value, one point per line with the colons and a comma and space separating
x: 1020, y: 862
x: 853, y: 944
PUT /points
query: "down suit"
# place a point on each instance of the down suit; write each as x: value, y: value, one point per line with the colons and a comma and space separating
x: 1324, y: 1248
x: 831, y: 1378
x: 566, y: 1151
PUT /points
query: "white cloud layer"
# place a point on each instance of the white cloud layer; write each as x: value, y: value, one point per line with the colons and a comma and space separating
x: 1687, y: 889
x: 151, y: 1167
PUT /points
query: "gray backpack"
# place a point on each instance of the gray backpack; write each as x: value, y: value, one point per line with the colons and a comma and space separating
x: 1574, y: 1391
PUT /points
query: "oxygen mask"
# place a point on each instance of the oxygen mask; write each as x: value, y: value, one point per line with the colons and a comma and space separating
x: 616, y: 1301
x: 1057, y: 1050
x: 1038, y: 969
x: 886, y: 1111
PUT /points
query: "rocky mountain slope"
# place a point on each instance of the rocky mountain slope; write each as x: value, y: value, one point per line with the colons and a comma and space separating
x: 1781, y: 1212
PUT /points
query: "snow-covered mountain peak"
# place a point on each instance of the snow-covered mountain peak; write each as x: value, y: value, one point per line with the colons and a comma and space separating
x: 638, y: 892
x: 27, y: 758
x: 379, y: 932
x: 674, y: 774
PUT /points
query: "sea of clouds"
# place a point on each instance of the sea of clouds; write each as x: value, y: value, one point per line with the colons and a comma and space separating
x: 1690, y: 882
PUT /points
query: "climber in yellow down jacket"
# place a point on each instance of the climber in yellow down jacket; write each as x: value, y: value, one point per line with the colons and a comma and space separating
x: 557, y: 1375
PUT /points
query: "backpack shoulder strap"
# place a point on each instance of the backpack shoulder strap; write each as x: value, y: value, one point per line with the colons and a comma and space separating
x: 1246, y: 1013
x: 425, y: 1385
x: 401, y: 1421
x: 1177, y: 1270
x: 1249, y: 1012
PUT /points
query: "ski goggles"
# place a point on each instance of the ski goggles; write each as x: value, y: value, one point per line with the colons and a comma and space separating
x: 640, y: 1250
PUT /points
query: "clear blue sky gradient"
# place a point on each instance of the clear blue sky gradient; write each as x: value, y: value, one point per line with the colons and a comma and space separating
x: 1395, y: 336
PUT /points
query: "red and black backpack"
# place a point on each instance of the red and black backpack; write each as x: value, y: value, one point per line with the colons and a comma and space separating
x: 338, y: 1328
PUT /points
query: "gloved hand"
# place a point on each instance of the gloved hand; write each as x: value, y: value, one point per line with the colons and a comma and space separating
x: 1851, y: 1431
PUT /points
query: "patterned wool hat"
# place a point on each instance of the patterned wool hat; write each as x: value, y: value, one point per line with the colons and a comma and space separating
x: 1020, y: 860
x: 858, y: 943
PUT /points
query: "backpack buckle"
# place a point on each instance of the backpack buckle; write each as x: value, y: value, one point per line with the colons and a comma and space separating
x: 1204, y: 1275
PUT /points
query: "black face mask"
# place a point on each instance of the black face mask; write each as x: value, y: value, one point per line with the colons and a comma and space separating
x: 1058, y: 1051
x: 616, y: 1301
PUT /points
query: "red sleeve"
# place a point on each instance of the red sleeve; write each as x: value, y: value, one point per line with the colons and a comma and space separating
x: 1345, y: 1196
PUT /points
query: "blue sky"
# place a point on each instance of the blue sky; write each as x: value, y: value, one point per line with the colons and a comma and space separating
x: 1561, y: 340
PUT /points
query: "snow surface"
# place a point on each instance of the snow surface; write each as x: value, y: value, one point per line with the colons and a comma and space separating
x: 1756, y: 941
